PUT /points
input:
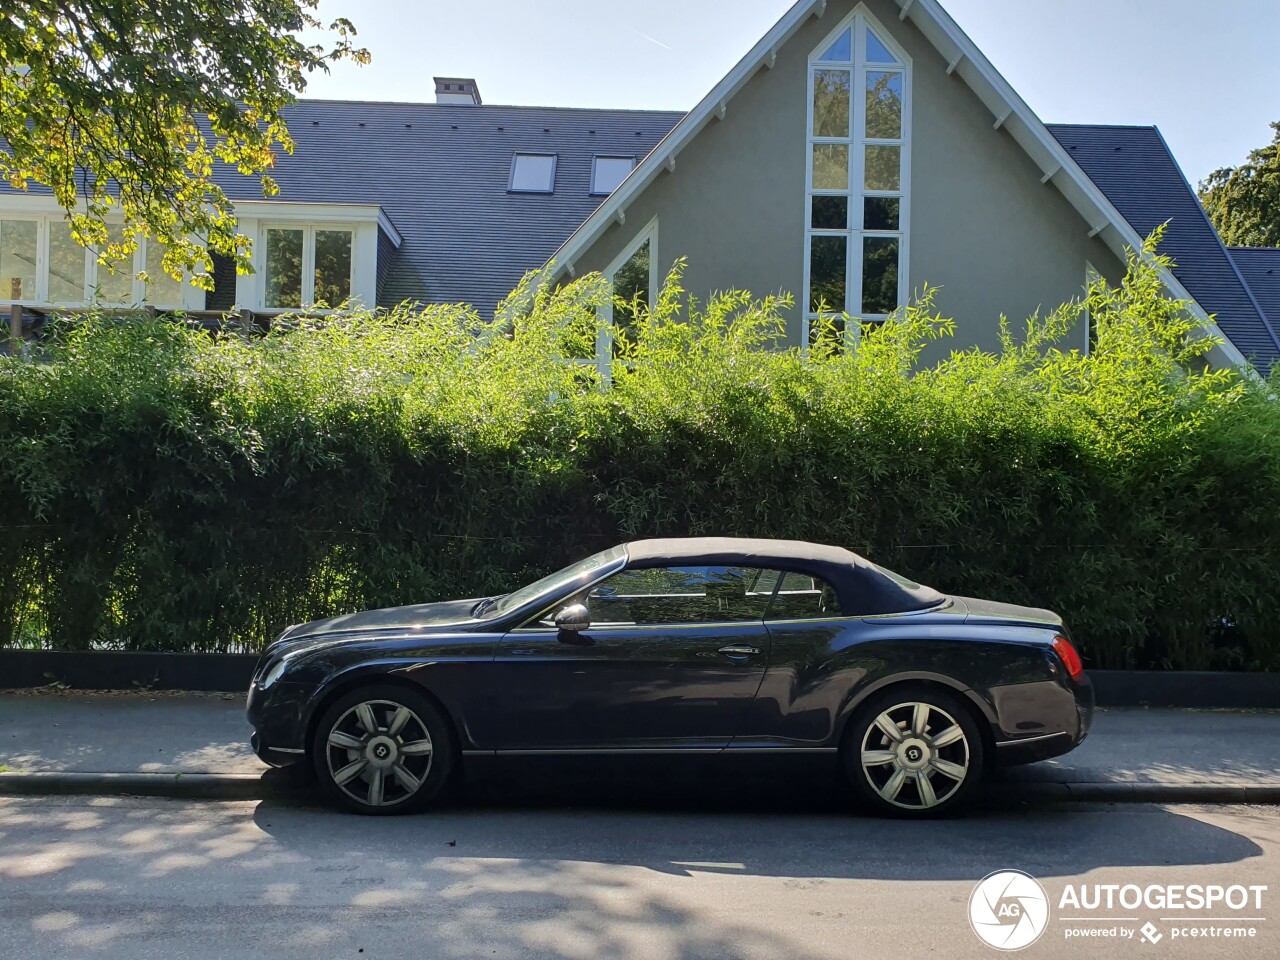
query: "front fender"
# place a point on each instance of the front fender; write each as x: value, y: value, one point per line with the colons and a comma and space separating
x: 452, y: 683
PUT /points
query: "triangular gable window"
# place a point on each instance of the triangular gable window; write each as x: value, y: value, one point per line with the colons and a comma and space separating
x: 877, y: 52
x: 841, y: 51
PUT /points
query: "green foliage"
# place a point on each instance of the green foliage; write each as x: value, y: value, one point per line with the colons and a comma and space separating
x: 129, y: 104
x: 1244, y: 202
x: 163, y: 489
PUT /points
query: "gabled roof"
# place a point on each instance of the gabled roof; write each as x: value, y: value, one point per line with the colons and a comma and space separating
x: 1260, y: 267
x: 1135, y: 169
x: 964, y: 60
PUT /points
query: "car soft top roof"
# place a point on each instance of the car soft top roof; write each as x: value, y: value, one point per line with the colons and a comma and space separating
x: 864, y: 589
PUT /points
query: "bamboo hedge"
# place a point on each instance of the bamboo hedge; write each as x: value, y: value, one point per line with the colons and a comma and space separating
x: 164, y: 489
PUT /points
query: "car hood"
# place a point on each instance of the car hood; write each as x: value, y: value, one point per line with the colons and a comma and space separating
x: 419, y: 616
x: 992, y: 611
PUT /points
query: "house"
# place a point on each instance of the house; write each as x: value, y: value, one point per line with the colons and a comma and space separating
x: 861, y: 150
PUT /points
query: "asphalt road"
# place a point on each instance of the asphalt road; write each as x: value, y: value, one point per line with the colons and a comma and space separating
x: 601, y: 880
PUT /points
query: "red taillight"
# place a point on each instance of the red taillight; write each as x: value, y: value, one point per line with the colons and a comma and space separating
x: 1070, y: 659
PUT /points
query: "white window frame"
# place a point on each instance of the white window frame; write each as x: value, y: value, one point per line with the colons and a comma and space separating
x: 44, y: 224
x: 1091, y: 276
x: 308, y: 230
x: 515, y: 159
x: 858, y: 20
x: 595, y: 161
x: 604, y: 334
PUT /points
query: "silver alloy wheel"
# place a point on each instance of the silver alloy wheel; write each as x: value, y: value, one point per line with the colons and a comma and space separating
x: 379, y: 753
x: 915, y: 755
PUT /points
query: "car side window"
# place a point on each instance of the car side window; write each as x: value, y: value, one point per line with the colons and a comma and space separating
x: 803, y: 597
x: 681, y: 595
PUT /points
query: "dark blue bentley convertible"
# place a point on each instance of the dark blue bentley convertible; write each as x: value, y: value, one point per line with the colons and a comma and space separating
x: 693, y: 645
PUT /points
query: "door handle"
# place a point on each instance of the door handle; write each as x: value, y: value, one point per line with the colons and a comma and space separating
x: 737, y: 650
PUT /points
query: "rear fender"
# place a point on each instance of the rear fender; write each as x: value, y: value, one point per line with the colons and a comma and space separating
x: 981, y: 706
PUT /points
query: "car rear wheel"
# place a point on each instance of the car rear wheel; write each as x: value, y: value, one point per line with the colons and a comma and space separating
x: 914, y: 753
x: 382, y: 750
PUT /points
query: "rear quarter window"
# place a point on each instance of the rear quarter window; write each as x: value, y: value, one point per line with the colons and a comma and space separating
x: 801, y: 596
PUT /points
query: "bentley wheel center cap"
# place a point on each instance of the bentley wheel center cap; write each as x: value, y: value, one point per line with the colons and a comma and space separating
x: 914, y: 754
x: 382, y: 751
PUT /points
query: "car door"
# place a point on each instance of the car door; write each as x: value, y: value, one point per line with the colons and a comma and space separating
x: 808, y: 680
x: 672, y: 659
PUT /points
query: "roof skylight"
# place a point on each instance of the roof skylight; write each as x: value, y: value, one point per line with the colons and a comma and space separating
x: 533, y: 173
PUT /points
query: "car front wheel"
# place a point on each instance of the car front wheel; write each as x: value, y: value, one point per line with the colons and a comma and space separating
x: 914, y: 753
x: 382, y: 750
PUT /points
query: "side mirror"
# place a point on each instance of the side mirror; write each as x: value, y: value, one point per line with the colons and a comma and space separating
x: 573, y: 618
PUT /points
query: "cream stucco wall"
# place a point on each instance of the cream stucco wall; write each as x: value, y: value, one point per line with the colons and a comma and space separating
x: 983, y: 229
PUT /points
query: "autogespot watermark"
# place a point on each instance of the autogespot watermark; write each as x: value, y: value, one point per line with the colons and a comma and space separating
x: 1010, y: 910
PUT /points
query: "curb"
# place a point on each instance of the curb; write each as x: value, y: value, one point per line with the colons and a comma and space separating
x: 186, y: 786
x: 253, y: 786
x: 1111, y: 792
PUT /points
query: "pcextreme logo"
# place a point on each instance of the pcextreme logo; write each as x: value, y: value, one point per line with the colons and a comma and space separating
x: 1009, y: 910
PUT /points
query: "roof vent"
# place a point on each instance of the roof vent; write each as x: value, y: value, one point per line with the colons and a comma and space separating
x: 458, y: 90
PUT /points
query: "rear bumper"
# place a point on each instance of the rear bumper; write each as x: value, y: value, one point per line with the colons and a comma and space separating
x: 1069, y: 705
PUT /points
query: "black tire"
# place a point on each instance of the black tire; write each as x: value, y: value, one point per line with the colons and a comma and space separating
x: 913, y: 777
x: 420, y: 751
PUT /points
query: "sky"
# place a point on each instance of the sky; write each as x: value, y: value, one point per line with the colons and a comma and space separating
x: 1207, y: 74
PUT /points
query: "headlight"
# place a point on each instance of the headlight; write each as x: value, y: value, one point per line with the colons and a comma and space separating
x: 274, y: 673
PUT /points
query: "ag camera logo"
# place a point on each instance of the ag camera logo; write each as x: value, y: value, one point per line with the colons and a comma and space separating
x: 1008, y: 910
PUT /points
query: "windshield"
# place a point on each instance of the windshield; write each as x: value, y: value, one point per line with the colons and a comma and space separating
x: 578, y: 573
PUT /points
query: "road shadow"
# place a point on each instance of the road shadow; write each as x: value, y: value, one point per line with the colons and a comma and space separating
x: 765, y: 817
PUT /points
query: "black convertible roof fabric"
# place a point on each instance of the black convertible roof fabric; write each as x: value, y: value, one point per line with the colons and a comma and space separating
x: 864, y: 589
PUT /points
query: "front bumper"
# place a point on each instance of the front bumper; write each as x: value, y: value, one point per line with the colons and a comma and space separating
x: 277, y: 715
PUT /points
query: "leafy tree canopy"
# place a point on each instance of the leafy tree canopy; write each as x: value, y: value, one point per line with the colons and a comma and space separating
x: 1244, y: 202
x: 127, y: 105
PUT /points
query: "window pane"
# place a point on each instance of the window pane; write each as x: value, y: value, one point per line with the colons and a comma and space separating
x: 827, y: 332
x: 333, y: 267
x: 609, y: 172
x: 802, y: 597
x: 880, y: 213
x: 678, y: 595
x: 877, y: 52
x: 163, y: 290
x: 827, y: 261
x: 223, y: 294
x: 883, y: 168
x: 879, y: 275
x: 284, y: 268
x: 533, y: 173
x: 117, y: 286
x: 17, y: 259
x: 884, y: 105
x: 830, y: 213
x: 831, y: 103
x: 830, y: 166
x: 630, y: 284
x: 66, y: 264
x: 841, y: 51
